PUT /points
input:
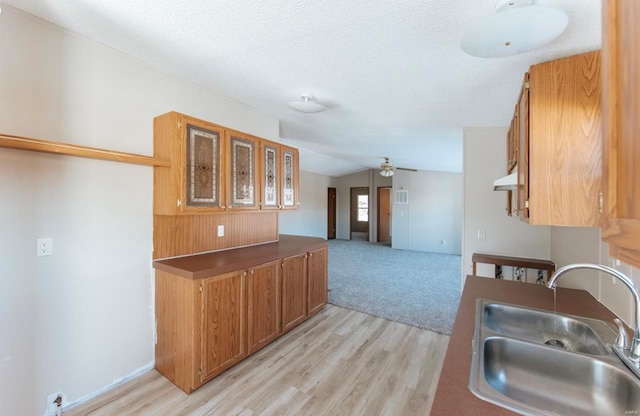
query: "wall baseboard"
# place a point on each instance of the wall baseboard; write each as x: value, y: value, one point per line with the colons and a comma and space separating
x: 116, y: 383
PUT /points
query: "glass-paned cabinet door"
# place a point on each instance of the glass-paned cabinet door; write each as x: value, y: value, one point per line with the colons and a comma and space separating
x: 270, y: 168
x: 203, y: 167
x: 243, y: 173
x: 289, y: 179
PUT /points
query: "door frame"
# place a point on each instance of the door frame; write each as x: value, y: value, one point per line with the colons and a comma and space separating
x: 331, y: 212
x: 353, y: 215
x: 378, y: 212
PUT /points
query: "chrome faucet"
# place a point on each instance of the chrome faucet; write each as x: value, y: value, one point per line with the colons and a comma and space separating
x: 620, y: 348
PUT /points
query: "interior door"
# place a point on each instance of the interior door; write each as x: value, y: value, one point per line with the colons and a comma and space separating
x: 331, y: 213
x: 384, y: 214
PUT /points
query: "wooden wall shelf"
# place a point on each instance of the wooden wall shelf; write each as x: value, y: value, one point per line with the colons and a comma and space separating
x: 46, y: 146
x: 527, y: 263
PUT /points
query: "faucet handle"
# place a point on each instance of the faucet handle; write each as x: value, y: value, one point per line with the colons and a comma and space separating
x: 621, y: 340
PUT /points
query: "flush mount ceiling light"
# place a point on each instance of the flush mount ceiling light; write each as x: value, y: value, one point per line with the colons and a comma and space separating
x: 386, y: 169
x: 518, y: 26
x: 306, y: 104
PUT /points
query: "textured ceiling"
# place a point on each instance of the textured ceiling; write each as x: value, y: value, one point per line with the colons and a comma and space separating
x: 391, y: 72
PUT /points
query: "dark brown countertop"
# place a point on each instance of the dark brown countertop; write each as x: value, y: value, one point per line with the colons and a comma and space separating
x: 200, y: 266
x: 452, y: 395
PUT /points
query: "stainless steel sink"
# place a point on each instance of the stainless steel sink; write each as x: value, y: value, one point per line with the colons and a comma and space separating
x: 513, y: 366
x: 543, y: 327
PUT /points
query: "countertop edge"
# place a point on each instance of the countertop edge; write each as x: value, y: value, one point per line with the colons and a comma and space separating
x: 208, y: 264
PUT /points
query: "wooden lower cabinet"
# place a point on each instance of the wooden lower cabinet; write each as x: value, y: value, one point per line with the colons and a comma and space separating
x: 201, y: 326
x: 317, y: 280
x: 264, y: 304
x: 294, y: 291
x: 205, y: 326
x: 223, y: 323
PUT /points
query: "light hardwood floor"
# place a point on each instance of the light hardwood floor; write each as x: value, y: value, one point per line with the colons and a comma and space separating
x: 340, y: 362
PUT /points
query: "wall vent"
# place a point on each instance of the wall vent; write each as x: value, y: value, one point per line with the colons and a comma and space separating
x: 402, y: 196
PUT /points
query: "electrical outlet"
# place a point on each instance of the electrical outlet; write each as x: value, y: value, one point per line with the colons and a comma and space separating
x: 55, y: 401
x: 44, y: 246
x: 220, y: 230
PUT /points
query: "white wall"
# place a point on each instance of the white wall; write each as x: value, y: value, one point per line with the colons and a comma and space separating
x: 485, y: 150
x: 583, y: 245
x: 83, y: 318
x: 311, y: 217
x: 434, y: 212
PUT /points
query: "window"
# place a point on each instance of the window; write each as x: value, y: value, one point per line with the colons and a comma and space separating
x: 363, y: 208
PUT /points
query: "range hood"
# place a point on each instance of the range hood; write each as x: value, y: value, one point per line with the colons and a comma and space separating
x: 507, y: 183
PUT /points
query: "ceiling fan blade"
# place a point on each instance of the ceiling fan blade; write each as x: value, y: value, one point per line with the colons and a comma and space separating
x: 410, y: 170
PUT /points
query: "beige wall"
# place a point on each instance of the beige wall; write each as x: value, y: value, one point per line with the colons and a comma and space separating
x: 483, y: 208
x: 485, y: 150
x: 81, y: 319
x: 432, y: 221
x: 311, y: 218
x: 583, y: 245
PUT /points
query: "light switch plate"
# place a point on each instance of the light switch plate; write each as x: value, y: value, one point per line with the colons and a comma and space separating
x: 482, y: 234
x: 220, y: 230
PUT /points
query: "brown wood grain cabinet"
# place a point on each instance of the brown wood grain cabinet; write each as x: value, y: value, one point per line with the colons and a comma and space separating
x: 621, y: 124
x: 201, y: 326
x: 264, y: 304
x: 223, y: 322
x: 559, y: 142
x: 215, y: 168
x: 195, y: 148
x: 522, y: 132
x: 289, y: 178
x: 243, y: 171
x: 270, y: 175
x: 294, y: 290
x: 207, y: 324
x: 317, y: 280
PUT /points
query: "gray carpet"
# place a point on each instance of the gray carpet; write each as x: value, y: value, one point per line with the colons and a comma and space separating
x: 416, y: 288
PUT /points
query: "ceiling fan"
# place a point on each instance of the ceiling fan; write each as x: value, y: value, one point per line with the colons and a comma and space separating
x: 386, y: 168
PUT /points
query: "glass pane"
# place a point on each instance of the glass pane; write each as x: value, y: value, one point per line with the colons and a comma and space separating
x: 363, y: 208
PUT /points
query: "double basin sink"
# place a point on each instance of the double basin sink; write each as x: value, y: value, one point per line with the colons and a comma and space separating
x: 537, y: 362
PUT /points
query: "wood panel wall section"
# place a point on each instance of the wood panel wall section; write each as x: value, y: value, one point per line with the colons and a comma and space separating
x: 178, y: 235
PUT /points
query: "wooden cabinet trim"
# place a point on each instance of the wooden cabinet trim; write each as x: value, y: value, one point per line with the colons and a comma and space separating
x: 621, y: 111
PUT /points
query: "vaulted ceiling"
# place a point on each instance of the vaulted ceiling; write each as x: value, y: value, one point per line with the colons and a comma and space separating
x: 391, y: 72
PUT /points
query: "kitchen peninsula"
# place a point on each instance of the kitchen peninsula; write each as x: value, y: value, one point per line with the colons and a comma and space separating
x: 453, y: 395
x: 215, y: 309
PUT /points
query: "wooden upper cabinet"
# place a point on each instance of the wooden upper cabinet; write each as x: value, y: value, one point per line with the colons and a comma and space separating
x: 560, y: 150
x: 223, y: 323
x: 192, y: 183
x: 512, y: 142
x: 289, y: 178
x: 214, y: 168
x: 621, y: 124
x: 243, y: 180
x: 522, y: 131
x: 270, y: 175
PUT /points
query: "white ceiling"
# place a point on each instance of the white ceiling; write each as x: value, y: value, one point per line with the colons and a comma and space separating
x: 391, y: 72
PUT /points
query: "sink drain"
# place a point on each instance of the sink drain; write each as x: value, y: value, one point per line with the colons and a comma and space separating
x: 556, y: 343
